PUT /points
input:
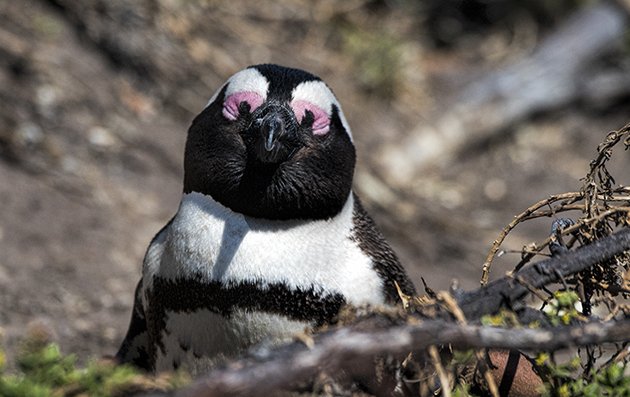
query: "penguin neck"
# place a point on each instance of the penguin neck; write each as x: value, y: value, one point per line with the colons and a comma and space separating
x: 301, y: 188
x: 210, y: 205
x: 277, y: 195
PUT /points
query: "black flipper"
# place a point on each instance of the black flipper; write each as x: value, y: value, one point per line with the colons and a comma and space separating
x: 386, y: 263
x: 135, y: 348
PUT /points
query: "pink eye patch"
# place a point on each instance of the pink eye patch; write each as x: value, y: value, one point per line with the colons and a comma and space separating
x: 321, y: 120
x: 233, y: 101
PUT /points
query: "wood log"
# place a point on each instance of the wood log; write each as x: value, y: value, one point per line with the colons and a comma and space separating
x: 559, y: 72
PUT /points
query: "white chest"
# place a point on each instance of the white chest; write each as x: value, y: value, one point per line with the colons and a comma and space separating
x: 207, y: 239
x: 208, y: 243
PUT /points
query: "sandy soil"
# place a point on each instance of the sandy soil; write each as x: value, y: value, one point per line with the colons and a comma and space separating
x: 94, y: 105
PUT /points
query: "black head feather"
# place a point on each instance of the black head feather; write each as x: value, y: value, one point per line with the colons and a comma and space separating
x: 298, y: 175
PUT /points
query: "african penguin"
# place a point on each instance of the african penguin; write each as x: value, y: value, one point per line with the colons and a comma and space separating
x: 269, y: 238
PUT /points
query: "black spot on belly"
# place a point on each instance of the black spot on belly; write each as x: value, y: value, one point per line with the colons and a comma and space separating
x: 184, y: 346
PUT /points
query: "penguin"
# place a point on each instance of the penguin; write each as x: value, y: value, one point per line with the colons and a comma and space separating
x: 269, y: 237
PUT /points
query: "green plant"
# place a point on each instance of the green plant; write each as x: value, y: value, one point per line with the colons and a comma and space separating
x: 43, y: 370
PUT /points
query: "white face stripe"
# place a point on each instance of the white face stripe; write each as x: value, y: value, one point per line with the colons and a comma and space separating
x: 245, y: 80
x: 315, y: 92
x: 318, y: 93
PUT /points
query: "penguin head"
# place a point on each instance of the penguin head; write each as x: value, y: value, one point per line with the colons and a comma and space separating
x: 272, y: 143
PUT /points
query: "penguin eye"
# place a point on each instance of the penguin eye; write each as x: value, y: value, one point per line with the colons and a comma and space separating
x: 235, y: 103
x: 307, y: 112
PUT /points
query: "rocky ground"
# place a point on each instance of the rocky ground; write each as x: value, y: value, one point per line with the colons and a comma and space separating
x: 96, y: 97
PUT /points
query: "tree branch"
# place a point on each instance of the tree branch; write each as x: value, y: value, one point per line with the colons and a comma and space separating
x: 282, y: 367
x: 506, y: 291
x: 273, y: 369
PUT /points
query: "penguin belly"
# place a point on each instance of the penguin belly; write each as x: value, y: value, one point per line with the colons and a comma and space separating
x: 217, y: 282
x: 202, y: 339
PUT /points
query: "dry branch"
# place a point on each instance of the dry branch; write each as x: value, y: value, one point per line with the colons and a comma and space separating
x: 508, y: 290
x: 571, y: 197
x: 273, y: 369
x: 283, y: 367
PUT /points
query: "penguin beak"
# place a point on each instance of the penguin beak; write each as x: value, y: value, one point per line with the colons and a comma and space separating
x: 275, y: 128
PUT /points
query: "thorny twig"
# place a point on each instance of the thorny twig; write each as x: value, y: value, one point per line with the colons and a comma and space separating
x: 597, y: 187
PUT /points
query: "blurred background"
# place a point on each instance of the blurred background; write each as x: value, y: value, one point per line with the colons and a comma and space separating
x: 464, y: 113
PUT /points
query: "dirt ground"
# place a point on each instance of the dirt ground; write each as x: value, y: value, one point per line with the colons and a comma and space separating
x: 96, y: 98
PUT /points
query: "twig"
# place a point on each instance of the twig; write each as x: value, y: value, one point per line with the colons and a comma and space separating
x: 603, y: 152
x: 439, y: 368
x: 518, y: 219
x: 538, y: 247
x: 504, y: 292
x: 591, y: 193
